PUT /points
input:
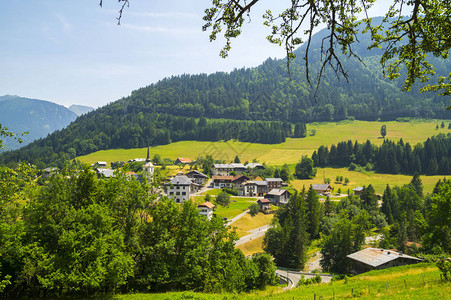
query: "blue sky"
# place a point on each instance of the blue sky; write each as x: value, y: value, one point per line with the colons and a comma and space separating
x: 73, y: 52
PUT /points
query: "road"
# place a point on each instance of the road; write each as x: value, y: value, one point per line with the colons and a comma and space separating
x: 294, y: 277
x: 254, y: 233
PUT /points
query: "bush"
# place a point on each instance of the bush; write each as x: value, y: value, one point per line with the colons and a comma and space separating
x: 312, y: 280
x: 352, y: 167
x: 254, y: 208
x: 223, y: 199
x: 233, y: 192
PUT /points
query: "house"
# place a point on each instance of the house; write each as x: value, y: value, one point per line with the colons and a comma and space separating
x: 227, y: 169
x: 206, y: 209
x: 101, y: 164
x: 274, y: 183
x: 254, y: 166
x: 255, y: 188
x: 197, y: 177
x: 264, y: 204
x: 182, y: 161
x: 322, y: 189
x: 238, y: 183
x: 278, y: 196
x: 220, y: 181
x: 105, y: 173
x: 358, y: 190
x: 136, y: 160
x: 179, y: 188
x: 376, y: 259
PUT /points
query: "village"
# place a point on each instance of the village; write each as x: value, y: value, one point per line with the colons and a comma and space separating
x: 270, y: 193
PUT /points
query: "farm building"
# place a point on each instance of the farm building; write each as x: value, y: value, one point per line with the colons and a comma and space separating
x: 376, y: 259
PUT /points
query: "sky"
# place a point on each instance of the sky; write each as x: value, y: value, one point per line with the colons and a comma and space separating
x: 73, y: 52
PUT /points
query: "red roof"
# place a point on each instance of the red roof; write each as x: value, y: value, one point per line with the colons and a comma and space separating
x: 263, y: 201
x: 184, y: 160
x: 207, y: 204
x: 220, y: 177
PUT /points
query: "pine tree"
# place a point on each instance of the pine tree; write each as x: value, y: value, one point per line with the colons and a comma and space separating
x: 387, y: 204
x: 417, y: 184
x: 313, y: 212
x: 236, y: 160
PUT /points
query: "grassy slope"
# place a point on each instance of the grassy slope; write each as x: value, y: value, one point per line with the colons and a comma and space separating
x: 395, y: 283
x: 278, y: 154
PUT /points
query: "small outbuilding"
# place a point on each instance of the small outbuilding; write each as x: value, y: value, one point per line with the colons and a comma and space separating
x: 377, y: 259
x: 323, y: 188
x: 264, y: 204
x: 206, y: 209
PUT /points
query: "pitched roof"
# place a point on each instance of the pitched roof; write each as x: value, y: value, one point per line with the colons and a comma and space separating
x: 253, y: 165
x: 321, y: 187
x: 222, y: 177
x: 261, y: 182
x: 195, y: 172
x: 358, y: 189
x: 184, y: 160
x: 106, y: 172
x: 181, y: 180
x: 274, y: 180
x: 277, y: 192
x: 376, y: 256
x: 238, y: 177
x: 223, y: 166
x: 237, y: 165
x: 263, y: 201
x: 206, y: 204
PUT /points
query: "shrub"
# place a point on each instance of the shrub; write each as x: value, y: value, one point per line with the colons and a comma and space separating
x: 254, y: 208
x: 352, y: 167
x: 233, y: 192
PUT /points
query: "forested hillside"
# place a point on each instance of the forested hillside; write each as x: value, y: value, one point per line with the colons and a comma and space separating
x: 183, y: 107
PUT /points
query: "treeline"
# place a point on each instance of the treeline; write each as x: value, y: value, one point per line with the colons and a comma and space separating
x: 106, y: 130
x: 408, y: 221
x: 431, y: 157
x: 78, y: 235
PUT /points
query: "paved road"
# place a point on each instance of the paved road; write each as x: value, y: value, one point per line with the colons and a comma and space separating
x: 294, y: 277
x: 254, y: 233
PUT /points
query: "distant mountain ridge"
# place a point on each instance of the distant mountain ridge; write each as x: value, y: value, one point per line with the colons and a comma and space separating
x: 37, y: 117
x: 263, y: 100
x: 80, y: 109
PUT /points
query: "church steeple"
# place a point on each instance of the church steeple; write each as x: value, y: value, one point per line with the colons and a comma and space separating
x: 148, y: 155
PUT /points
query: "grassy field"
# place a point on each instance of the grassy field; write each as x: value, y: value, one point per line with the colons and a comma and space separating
x: 252, y: 247
x: 289, y: 152
x: 247, y: 222
x: 394, y: 283
x: 379, y: 181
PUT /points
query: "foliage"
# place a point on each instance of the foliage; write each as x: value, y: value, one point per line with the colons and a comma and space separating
x: 407, y: 42
x: 223, y: 199
x: 313, y: 280
x: 287, y: 240
x: 346, y: 237
x: 444, y: 266
x: 390, y: 157
x: 231, y: 191
x: 304, y: 169
x: 254, y: 209
x: 383, y: 131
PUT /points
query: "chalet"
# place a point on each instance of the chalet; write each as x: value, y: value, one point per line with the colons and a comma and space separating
x: 358, y: 190
x: 238, y: 183
x: 182, y: 161
x: 250, y: 189
x: 322, y: 189
x: 254, y: 166
x: 376, y: 259
x: 264, y: 204
x: 197, y: 177
x: 278, y: 196
x: 206, y: 209
x: 105, y: 173
x: 274, y: 183
x: 220, y: 181
x: 179, y: 188
x: 227, y: 169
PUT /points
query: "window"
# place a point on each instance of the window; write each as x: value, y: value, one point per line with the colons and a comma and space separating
x: 183, y: 193
x: 178, y: 193
x: 177, y: 187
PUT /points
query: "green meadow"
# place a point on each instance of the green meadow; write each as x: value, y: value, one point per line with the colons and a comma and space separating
x: 420, y: 281
x: 288, y: 152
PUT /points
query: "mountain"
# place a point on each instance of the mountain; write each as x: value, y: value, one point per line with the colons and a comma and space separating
x: 37, y: 117
x: 80, y: 109
x: 260, y: 104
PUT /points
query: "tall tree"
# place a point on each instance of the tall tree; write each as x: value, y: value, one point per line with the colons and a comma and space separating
x: 417, y: 184
x: 304, y: 169
x: 313, y: 213
x: 383, y: 131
